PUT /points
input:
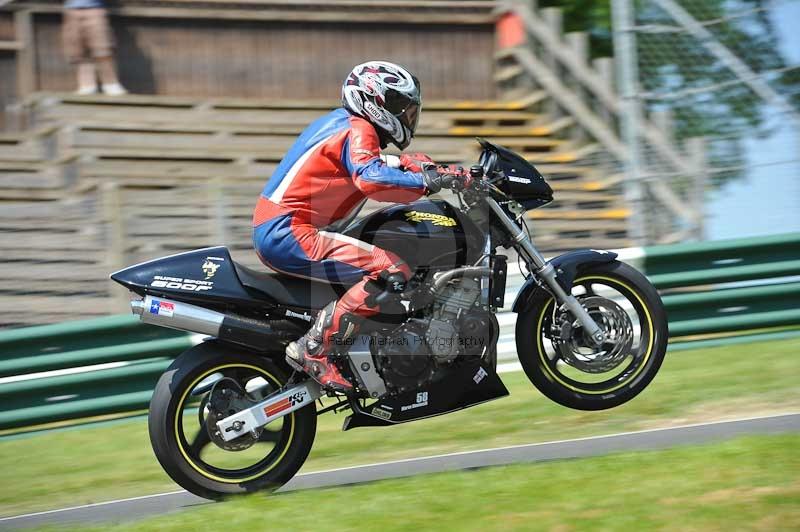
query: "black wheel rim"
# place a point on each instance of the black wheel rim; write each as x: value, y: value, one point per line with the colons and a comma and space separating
x: 228, y: 466
x: 558, y: 370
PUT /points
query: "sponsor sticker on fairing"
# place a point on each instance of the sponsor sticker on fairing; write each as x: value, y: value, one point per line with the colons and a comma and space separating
x: 289, y: 314
x: 381, y: 413
x: 209, y: 267
x: 178, y: 283
x: 162, y: 308
x: 435, y: 219
x: 422, y: 400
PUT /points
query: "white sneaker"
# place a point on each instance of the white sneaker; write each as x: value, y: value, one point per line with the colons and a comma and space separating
x: 114, y: 89
x: 85, y: 91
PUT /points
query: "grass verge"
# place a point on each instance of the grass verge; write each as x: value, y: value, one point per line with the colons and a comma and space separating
x: 744, y: 484
x: 102, y: 463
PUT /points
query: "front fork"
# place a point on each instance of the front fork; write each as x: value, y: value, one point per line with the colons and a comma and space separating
x: 545, y: 271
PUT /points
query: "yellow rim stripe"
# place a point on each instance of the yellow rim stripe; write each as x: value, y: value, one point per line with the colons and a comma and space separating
x: 289, y: 417
x: 646, y: 356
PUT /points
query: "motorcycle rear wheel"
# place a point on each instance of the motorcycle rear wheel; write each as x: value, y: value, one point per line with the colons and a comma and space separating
x: 181, y: 442
x: 565, y: 366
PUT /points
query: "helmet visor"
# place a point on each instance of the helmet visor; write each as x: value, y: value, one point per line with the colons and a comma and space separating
x: 410, y: 116
x: 404, y: 108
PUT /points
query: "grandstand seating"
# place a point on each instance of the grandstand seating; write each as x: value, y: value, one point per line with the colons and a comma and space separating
x: 94, y: 183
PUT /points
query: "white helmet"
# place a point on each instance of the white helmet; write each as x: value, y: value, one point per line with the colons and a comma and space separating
x: 388, y: 96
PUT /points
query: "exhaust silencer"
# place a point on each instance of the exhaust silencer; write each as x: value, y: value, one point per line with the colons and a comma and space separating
x: 177, y: 315
x: 187, y: 317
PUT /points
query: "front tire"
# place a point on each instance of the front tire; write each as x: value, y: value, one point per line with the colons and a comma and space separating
x: 557, y: 359
x: 181, y: 442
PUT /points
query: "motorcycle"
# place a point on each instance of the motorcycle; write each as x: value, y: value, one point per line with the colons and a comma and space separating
x: 230, y: 416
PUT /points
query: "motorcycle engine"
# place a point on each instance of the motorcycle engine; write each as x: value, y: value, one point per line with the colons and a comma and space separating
x: 403, y: 359
x: 452, y: 304
x: 409, y: 357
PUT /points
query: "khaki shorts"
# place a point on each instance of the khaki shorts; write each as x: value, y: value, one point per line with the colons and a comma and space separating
x: 86, y: 34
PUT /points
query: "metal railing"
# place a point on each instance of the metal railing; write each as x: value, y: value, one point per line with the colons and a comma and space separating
x: 537, y: 55
x: 109, y: 366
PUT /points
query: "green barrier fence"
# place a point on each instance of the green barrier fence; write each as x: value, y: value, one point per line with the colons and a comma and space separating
x: 20, y: 349
x: 63, y: 397
x: 733, y: 309
x: 125, y: 357
x: 723, y: 261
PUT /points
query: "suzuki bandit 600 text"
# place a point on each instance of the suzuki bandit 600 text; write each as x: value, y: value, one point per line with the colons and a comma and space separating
x: 229, y: 416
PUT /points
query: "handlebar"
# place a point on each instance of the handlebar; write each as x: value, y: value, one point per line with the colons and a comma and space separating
x: 473, y: 183
x: 478, y: 185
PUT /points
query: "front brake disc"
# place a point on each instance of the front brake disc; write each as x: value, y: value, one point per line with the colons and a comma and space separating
x: 582, y: 354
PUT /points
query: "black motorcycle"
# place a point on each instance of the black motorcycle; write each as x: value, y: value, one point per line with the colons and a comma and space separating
x: 230, y: 416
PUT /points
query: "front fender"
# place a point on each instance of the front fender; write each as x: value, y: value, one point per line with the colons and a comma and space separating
x: 567, y: 266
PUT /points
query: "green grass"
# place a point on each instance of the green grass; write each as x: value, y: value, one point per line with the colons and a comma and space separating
x: 749, y: 483
x: 102, y: 463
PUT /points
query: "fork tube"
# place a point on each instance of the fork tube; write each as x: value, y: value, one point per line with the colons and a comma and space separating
x: 531, y: 254
x: 546, y: 272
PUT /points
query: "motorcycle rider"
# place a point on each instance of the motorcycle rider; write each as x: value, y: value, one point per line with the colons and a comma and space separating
x: 333, y: 165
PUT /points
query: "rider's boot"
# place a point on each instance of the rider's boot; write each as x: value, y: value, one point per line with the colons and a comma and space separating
x: 307, y: 354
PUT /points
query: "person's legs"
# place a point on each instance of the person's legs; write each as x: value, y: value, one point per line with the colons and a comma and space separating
x: 107, y: 68
x: 371, y: 260
x: 101, y: 44
x: 339, y: 322
x: 74, y: 44
x: 87, y: 78
x: 305, y: 251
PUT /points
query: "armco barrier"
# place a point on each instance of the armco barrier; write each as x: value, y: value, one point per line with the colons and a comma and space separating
x: 82, y: 368
x: 733, y: 309
x: 762, y: 290
x: 723, y: 261
x: 51, y: 347
x: 104, y: 391
x: 109, y: 365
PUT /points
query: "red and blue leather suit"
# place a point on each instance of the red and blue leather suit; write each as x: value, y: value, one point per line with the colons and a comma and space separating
x: 333, y: 166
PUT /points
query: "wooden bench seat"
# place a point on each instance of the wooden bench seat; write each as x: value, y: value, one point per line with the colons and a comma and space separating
x: 579, y: 214
x: 259, y: 144
x: 170, y: 102
x: 10, y: 241
x: 541, y: 226
x: 70, y: 111
x: 91, y: 254
x: 177, y: 163
x: 27, y: 309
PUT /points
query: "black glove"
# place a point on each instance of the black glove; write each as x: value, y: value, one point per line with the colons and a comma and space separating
x: 444, y: 177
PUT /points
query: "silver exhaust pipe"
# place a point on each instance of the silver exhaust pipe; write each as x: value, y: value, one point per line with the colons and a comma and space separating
x: 256, y: 334
x: 177, y: 315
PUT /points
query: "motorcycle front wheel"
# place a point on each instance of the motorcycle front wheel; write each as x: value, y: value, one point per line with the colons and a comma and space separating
x: 563, y: 363
x: 182, y: 410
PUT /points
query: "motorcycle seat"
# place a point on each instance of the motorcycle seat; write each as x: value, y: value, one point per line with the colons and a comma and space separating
x: 288, y: 290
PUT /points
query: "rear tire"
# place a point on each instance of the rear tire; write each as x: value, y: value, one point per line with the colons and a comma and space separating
x: 178, y: 457
x: 636, y: 371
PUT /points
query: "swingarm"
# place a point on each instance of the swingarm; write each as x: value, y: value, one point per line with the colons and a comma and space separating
x: 268, y: 410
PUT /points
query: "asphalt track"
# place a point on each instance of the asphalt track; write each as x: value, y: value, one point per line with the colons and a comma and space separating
x: 139, y: 507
